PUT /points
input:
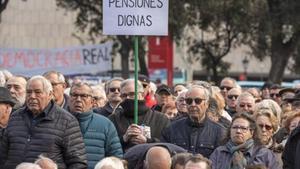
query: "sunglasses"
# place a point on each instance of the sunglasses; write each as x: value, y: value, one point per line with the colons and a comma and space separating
x: 246, y: 105
x: 190, y: 101
x: 275, y: 94
x: 241, y: 128
x: 232, y: 96
x: 225, y: 87
x: 267, y: 127
x: 114, y: 89
x: 129, y: 94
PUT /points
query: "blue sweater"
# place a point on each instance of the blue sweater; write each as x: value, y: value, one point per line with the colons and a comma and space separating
x: 100, y: 137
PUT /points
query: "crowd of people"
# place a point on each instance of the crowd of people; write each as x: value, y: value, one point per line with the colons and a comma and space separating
x: 46, y: 123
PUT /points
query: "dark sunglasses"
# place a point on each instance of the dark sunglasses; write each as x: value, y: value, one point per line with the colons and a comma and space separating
x: 225, y: 87
x: 275, y: 94
x: 267, y: 127
x: 114, y: 89
x: 190, y: 101
x: 232, y: 96
x: 130, y: 95
x: 244, y: 105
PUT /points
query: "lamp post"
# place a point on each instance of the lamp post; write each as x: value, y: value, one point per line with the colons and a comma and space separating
x: 245, y: 63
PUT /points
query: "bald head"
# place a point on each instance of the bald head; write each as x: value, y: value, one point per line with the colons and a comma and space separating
x: 158, y: 157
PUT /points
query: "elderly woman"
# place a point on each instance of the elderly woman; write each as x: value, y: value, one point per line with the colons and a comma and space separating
x: 243, y: 147
x: 269, y: 105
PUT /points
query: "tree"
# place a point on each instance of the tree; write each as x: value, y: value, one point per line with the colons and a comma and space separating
x: 277, y: 34
x: 3, y: 4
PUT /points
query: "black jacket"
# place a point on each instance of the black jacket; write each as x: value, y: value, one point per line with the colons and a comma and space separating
x: 54, y: 133
x: 155, y: 120
x: 291, y: 153
x: 201, y: 138
x: 135, y: 156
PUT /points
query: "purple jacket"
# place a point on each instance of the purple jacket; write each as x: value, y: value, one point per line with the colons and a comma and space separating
x: 221, y: 157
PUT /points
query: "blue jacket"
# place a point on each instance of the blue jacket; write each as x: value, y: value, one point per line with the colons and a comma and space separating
x: 100, y: 137
x: 221, y: 157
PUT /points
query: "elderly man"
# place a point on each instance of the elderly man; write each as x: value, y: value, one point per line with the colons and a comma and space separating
x: 163, y: 96
x: 195, y: 133
x: 99, y: 96
x: 99, y: 134
x: 226, y: 84
x: 143, y: 155
x: 17, y: 87
x: 59, y: 85
x: 149, y: 125
x: 245, y: 103
x: 42, y: 127
x: 112, y: 89
x: 231, y: 100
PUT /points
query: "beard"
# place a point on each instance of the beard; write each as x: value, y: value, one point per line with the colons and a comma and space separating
x: 19, y: 102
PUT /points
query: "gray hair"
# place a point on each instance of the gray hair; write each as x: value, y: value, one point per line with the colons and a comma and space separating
x: 25, y: 165
x: 47, y: 87
x: 206, y: 91
x: 233, y: 81
x: 60, y: 76
x: 80, y: 84
x: 48, y: 161
x: 244, y: 95
x: 100, y: 89
x: 113, y: 162
x: 107, y: 84
x: 126, y: 82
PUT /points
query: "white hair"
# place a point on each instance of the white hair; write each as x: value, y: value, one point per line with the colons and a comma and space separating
x: 50, y: 163
x: 98, y: 89
x: 112, y: 162
x: 153, y: 87
x: 269, y: 104
x: 47, y: 87
x: 28, y: 166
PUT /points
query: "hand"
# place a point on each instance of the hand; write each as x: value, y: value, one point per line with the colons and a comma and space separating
x: 132, y: 131
x: 139, y: 139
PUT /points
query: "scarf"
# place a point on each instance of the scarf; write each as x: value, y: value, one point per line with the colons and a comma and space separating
x: 238, y: 159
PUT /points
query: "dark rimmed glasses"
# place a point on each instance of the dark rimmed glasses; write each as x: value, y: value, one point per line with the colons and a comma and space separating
x: 190, y: 101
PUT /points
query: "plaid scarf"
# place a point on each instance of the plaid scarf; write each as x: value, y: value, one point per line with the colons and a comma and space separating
x: 238, y: 159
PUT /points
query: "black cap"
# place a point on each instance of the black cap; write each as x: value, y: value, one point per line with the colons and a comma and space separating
x: 164, y: 87
x: 5, y: 96
x: 143, y: 79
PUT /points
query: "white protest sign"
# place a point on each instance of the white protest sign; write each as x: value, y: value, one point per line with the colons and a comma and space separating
x: 84, y: 59
x: 135, y: 17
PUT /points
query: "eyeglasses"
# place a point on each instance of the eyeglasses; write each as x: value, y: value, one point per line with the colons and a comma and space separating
x: 246, y: 105
x: 97, y: 98
x: 225, y: 87
x: 145, y: 85
x: 82, y: 96
x: 190, y: 101
x: 241, y: 128
x: 55, y: 84
x: 126, y: 95
x: 267, y: 127
x: 275, y: 94
x: 114, y: 89
x: 232, y: 96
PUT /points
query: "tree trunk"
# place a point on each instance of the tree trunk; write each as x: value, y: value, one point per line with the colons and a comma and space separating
x: 142, y: 55
x: 124, y: 51
x: 3, y: 4
x: 280, y: 55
